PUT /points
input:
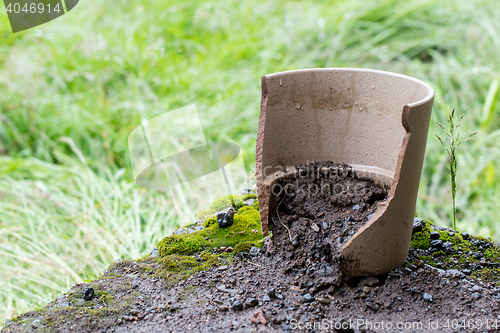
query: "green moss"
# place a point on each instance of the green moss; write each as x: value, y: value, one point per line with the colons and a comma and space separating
x: 181, y: 244
x: 209, y: 222
x: 225, y: 201
x: 243, y: 247
x: 438, y: 254
x: 462, y: 254
x: 249, y: 196
x: 245, y: 228
x: 487, y: 275
x: 177, y: 263
x: 178, y: 267
x: 493, y: 253
x: 205, y: 214
x: 422, y: 239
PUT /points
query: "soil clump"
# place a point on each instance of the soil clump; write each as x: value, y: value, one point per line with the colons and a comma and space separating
x: 319, y: 208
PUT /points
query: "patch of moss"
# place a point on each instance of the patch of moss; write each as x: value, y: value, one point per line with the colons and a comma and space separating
x: 209, y: 222
x: 487, y: 275
x: 493, y: 253
x: 422, y: 239
x: 462, y: 254
x: 250, y: 196
x: 176, y: 263
x: 225, y: 201
x: 205, y: 214
x: 181, y: 244
x: 243, y: 247
x: 179, y: 267
x: 438, y: 254
x: 245, y: 228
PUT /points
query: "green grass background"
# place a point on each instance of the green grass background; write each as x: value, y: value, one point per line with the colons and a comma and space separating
x: 73, y: 89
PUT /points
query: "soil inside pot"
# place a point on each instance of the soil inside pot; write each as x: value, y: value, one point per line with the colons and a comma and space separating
x: 320, y: 207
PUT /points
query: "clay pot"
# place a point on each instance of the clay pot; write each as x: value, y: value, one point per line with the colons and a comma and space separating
x: 373, y: 120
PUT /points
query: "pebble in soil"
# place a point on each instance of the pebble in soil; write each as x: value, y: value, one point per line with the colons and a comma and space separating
x: 319, y: 208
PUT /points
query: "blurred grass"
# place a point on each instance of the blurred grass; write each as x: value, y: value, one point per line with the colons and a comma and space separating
x: 94, y: 73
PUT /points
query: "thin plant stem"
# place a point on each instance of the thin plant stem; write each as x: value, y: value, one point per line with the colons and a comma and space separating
x: 451, y: 151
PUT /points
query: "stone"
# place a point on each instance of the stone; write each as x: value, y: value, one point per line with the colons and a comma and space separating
x: 447, y: 245
x: 370, y: 281
x: 435, y: 235
x: 455, y: 273
x: 465, y: 235
x: 418, y: 225
x: 315, y: 227
x: 259, y: 317
x: 271, y: 293
x: 343, y: 325
x: 88, y: 293
x: 254, y: 251
x: 248, y: 202
x: 155, y: 253
x: 251, y: 302
x: 420, y: 264
x: 266, y: 299
x: 324, y: 300
x: 225, y: 218
x: 475, y: 296
x: 437, y: 244
x: 237, y: 305
x: 35, y: 323
x: 307, y: 298
x: 428, y: 297
x: 223, y: 289
x: 372, y: 306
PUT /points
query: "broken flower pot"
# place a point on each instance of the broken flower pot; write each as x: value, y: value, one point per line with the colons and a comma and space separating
x: 375, y: 121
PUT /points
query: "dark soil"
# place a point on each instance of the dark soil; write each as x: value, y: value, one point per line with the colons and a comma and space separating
x: 319, y: 209
x: 449, y: 282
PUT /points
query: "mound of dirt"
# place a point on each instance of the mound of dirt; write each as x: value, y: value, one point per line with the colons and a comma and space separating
x: 283, y: 283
